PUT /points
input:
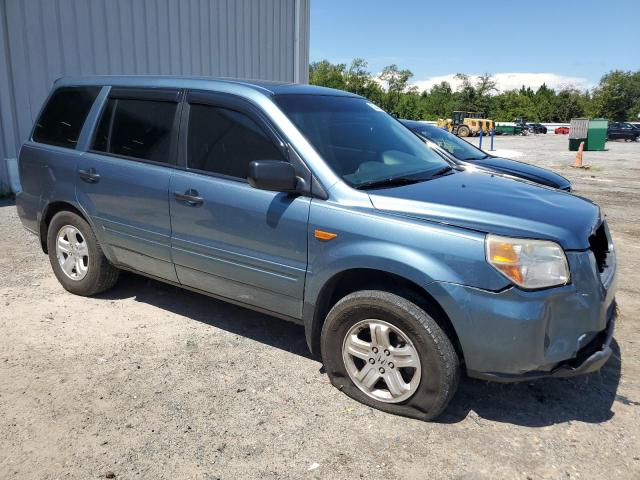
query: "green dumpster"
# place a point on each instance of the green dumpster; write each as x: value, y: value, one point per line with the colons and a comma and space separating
x: 597, y: 134
x: 574, y: 144
x: 508, y: 129
x: 593, y: 132
x: 578, y: 133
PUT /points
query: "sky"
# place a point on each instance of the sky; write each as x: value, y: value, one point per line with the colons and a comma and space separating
x: 563, y: 43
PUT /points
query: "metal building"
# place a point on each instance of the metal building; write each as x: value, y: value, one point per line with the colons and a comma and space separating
x: 42, y: 40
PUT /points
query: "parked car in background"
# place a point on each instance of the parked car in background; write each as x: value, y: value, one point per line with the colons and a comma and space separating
x: 536, y: 128
x: 463, y: 151
x: 562, y: 131
x: 316, y: 206
x: 622, y: 131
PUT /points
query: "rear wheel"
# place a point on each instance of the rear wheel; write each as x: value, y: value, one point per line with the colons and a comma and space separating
x: 386, y: 352
x: 463, y: 131
x: 76, y: 257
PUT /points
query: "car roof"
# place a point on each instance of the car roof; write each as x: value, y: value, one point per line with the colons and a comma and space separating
x: 200, y: 83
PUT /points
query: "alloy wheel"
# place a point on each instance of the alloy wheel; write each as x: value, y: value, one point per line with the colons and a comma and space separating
x: 381, y: 361
x: 72, y: 252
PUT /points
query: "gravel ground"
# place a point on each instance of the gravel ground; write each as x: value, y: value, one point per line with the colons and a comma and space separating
x: 149, y: 381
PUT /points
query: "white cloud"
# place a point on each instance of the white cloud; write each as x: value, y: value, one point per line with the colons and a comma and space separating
x: 509, y: 81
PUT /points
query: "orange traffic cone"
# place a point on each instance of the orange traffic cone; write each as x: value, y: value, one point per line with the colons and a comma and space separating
x: 578, y: 161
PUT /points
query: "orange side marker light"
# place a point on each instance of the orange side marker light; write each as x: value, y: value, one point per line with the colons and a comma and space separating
x: 324, y: 236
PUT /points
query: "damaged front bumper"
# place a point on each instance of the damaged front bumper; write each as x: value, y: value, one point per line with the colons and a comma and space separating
x: 588, y: 360
x: 515, y: 335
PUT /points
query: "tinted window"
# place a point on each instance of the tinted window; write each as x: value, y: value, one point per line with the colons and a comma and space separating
x: 358, y: 140
x: 63, y: 116
x: 225, y: 141
x: 136, y: 128
x: 459, y: 148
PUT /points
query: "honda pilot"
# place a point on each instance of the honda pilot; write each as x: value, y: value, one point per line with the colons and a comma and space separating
x: 316, y: 206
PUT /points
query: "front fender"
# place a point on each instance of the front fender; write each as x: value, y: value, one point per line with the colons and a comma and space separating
x: 419, y: 251
x: 422, y: 269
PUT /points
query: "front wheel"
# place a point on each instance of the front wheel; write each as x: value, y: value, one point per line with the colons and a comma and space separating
x: 76, y: 257
x: 386, y: 352
x: 463, y: 131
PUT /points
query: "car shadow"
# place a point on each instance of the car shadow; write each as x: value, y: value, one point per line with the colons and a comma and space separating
x: 540, y: 403
x: 534, y: 404
x: 226, y: 316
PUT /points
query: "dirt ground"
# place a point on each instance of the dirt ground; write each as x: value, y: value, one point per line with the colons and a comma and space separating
x: 149, y: 381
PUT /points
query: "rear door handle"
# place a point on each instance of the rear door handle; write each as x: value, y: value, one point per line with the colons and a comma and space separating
x: 89, y: 176
x: 191, y: 197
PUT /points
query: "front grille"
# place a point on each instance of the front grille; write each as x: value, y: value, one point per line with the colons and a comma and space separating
x: 599, y: 244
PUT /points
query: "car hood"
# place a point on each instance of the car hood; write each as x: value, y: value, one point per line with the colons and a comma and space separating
x: 524, y: 170
x: 489, y: 203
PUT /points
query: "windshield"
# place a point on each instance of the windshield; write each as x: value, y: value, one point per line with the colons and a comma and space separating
x: 358, y: 140
x: 457, y: 147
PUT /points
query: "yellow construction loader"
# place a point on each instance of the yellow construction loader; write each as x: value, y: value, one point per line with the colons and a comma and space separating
x: 466, y: 124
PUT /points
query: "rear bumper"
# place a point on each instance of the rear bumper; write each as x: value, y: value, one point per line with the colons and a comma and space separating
x: 27, y: 207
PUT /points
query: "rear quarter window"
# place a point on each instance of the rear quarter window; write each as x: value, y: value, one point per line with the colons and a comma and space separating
x: 63, y: 116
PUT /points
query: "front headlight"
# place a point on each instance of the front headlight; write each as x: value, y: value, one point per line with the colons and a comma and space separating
x: 530, y: 264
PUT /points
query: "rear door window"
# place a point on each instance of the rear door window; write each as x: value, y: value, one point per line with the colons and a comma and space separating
x: 136, y: 128
x: 225, y: 141
x: 63, y: 117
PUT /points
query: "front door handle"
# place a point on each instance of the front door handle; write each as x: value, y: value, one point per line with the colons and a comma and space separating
x: 191, y: 197
x: 89, y: 176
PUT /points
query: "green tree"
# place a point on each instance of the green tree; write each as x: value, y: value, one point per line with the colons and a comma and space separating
x: 357, y: 77
x: 569, y: 104
x: 545, y: 99
x: 327, y: 74
x: 410, y: 106
x: 465, y: 98
x: 438, y: 102
x: 360, y: 81
x: 475, y: 97
x: 397, y: 82
x: 617, y: 96
x: 513, y: 104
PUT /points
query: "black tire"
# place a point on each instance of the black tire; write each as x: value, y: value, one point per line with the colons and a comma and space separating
x: 463, y: 131
x: 100, y: 276
x: 440, y: 366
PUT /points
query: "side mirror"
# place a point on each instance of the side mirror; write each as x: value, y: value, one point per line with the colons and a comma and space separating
x: 273, y: 175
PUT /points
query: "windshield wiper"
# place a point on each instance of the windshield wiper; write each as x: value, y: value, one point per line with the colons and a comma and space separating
x: 398, y: 181
x: 441, y: 171
x: 389, y: 182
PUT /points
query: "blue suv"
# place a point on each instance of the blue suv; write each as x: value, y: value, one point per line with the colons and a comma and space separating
x: 316, y: 206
